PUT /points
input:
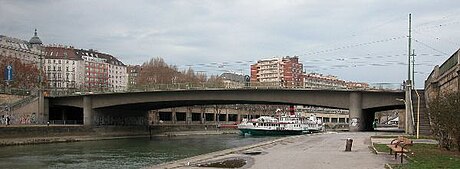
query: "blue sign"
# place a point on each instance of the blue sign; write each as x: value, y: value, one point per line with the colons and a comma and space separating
x: 9, y: 73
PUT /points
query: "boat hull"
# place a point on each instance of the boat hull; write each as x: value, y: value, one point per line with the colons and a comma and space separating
x: 256, y: 132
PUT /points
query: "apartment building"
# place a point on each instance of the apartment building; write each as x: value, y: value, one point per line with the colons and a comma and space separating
x: 88, y: 70
x: 64, y: 69
x: 281, y: 72
x: 133, y: 73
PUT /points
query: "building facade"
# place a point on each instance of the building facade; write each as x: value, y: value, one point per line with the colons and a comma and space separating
x: 319, y: 81
x: 84, y: 70
x: 232, y: 80
x: 280, y: 72
x: 26, y: 51
x: 64, y: 69
x: 133, y: 74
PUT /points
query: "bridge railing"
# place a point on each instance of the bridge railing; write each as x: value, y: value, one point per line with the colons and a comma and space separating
x: 66, y: 122
x: 208, y: 86
x: 386, y: 86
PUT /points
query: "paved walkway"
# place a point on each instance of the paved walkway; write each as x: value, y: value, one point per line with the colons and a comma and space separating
x: 306, y: 151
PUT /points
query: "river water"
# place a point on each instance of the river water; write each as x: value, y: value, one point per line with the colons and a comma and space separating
x: 119, y: 153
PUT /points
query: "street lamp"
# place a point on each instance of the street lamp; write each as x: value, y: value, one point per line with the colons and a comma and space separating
x: 404, y: 101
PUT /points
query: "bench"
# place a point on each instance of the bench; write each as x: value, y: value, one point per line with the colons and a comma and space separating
x: 400, y: 145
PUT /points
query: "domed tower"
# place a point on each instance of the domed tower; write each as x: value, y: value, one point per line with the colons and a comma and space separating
x: 35, y: 40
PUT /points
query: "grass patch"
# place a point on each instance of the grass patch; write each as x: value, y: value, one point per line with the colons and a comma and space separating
x: 410, y: 137
x: 381, y: 148
x: 426, y: 156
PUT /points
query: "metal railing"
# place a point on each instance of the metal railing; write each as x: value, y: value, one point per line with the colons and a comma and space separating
x: 66, y: 122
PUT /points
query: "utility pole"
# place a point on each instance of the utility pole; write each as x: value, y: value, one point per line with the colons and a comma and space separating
x: 409, y: 115
x: 409, y: 49
x: 413, y: 68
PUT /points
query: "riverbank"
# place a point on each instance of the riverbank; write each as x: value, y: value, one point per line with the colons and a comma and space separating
x: 91, y: 135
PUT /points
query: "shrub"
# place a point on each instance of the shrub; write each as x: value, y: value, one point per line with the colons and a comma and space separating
x: 445, y: 118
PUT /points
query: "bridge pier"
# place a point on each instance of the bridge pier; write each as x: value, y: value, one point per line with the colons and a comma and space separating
x: 188, y: 116
x: 357, y: 120
x: 173, y: 116
x: 87, y: 111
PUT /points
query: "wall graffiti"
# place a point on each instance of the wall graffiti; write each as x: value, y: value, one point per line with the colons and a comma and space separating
x: 23, y: 118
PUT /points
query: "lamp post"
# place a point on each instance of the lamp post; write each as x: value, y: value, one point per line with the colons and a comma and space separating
x: 418, y: 114
x: 40, y: 88
x: 404, y: 101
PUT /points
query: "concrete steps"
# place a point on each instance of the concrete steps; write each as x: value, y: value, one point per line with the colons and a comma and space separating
x: 425, y: 128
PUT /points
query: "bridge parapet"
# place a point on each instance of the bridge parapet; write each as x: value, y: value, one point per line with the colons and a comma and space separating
x: 208, y: 86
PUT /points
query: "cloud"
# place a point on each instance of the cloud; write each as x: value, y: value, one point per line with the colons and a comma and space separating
x: 194, y: 33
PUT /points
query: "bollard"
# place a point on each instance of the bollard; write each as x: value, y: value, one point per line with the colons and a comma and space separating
x: 348, y: 145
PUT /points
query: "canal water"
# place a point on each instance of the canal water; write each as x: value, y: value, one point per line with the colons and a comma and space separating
x: 119, y: 153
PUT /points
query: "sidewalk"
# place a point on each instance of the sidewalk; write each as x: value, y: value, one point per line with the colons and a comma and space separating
x: 305, y: 151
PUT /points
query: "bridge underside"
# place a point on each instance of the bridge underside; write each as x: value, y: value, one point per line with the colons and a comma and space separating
x: 185, y: 103
x: 137, y: 114
x: 135, y: 106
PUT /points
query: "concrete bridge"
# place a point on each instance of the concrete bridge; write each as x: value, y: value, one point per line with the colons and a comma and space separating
x: 361, y: 104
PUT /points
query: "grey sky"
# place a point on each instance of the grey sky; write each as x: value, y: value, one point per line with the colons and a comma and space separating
x: 355, y: 40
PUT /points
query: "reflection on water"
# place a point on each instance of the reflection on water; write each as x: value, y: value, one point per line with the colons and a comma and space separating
x: 120, y: 153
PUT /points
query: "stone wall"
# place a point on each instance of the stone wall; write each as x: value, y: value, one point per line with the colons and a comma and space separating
x: 444, y: 79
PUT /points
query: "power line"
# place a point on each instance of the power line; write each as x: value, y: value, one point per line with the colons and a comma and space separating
x: 353, y: 46
x: 428, y: 46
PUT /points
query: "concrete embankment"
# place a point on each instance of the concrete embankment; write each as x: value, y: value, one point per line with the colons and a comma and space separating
x: 304, y: 151
x: 41, y: 134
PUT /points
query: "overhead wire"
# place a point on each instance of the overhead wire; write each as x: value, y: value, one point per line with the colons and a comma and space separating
x: 307, y: 64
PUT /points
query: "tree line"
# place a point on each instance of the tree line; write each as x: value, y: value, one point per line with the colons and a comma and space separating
x: 157, y: 71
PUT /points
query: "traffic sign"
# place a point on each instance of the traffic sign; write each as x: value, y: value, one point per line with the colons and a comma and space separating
x: 9, y: 73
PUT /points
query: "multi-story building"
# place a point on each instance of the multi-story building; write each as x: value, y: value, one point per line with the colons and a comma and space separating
x: 133, y: 73
x: 233, y: 80
x: 96, y: 70
x: 319, y: 81
x: 90, y: 70
x: 282, y: 72
x: 64, y: 69
x: 26, y: 51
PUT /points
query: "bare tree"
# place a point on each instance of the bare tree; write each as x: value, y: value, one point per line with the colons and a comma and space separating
x: 25, y: 75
